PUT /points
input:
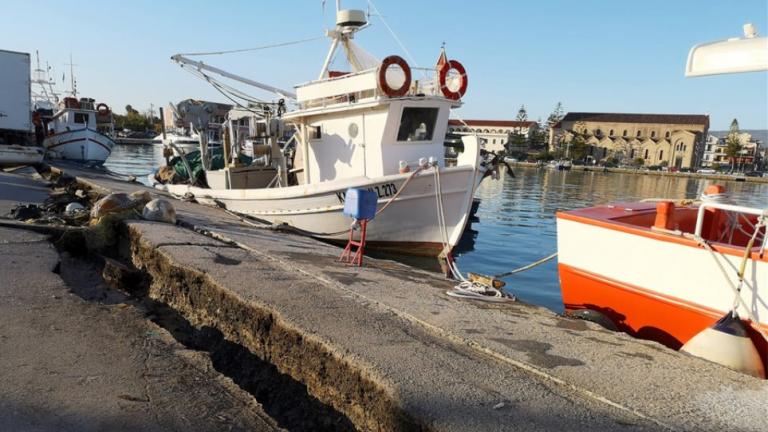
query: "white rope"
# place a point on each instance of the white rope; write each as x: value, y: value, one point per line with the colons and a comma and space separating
x: 527, y: 267
x: 701, y: 241
x: 466, y: 289
x: 392, y: 32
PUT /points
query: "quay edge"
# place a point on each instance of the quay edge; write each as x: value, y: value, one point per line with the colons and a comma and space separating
x: 410, y: 358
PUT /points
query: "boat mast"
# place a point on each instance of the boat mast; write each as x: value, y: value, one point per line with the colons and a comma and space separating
x: 72, y: 82
x: 348, y: 22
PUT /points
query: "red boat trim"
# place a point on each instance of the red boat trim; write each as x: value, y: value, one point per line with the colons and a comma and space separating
x: 669, y: 238
x: 693, y: 307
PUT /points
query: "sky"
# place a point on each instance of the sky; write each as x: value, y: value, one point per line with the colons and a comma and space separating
x: 596, y: 56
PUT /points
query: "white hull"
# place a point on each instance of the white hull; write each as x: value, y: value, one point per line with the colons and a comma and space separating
x: 409, y: 224
x: 15, y: 155
x: 80, y: 145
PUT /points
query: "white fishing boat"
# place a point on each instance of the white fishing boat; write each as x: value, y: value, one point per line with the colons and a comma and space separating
x: 18, y: 155
x: 72, y: 132
x: 71, y: 128
x: 373, y: 127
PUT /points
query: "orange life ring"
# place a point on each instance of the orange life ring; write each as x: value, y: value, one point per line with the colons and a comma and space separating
x: 448, y: 93
x: 385, y: 64
x: 102, y: 108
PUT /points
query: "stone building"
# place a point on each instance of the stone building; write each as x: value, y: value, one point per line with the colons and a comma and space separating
x: 496, y: 133
x: 675, y: 140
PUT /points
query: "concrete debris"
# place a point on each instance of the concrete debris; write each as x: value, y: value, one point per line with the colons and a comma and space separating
x: 160, y: 210
x: 25, y: 212
x: 119, y: 202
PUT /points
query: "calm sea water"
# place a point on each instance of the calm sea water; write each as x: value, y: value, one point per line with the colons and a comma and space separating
x: 515, y: 223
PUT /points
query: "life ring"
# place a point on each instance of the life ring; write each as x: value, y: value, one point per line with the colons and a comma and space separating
x: 102, y: 108
x: 448, y: 93
x: 385, y: 65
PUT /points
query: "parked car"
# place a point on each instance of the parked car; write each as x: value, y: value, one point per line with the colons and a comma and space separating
x: 706, y: 171
x: 753, y: 174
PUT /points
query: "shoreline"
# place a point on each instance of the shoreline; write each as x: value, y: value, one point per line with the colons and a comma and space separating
x: 722, y: 177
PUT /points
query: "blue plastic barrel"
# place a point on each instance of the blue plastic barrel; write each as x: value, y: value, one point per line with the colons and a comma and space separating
x: 360, y: 203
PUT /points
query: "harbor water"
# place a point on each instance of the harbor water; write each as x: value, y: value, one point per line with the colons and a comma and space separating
x: 515, y: 223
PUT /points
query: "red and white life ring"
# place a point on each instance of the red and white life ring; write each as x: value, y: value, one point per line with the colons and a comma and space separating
x: 384, y: 85
x: 458, y: 67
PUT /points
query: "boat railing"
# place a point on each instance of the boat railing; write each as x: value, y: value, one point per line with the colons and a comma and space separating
x: 424, y: 82
x: 725, y: 207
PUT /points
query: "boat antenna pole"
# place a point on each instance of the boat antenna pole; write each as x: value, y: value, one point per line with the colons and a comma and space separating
x: 341, y: 34
x: 72, y: 82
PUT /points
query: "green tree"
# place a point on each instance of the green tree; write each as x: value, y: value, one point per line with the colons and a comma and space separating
x: 538, y: 137
x: 556, y: 115
x: 577, y: 148
x: 522, y: 114
x: 734, y: 127
x: 733, y: 145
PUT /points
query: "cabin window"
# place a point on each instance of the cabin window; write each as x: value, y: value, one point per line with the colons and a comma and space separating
x: 81, y: 118
x: 417, y: 124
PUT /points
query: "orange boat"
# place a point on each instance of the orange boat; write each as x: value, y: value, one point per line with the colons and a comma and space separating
x: 673, y: 273
x: 662, y: 272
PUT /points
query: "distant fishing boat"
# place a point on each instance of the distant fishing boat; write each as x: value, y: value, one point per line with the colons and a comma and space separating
x: 17, y: 155
x: 73, y: 134
x: 74, y: 129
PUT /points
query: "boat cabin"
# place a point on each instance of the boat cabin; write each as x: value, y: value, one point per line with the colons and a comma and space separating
x: 76, y: 114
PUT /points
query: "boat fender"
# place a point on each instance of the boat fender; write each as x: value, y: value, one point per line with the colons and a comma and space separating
x: 384, y: 85
x: 727, y: 343
x: 594, y: 316
x: 443, y: 77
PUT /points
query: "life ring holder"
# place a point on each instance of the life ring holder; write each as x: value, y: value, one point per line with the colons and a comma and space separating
x: 385, y: 65
x: 443, y: 76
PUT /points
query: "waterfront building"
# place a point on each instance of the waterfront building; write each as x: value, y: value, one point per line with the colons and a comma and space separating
x: 675, y: 140
x: 172, y: 121
x: 749, y: 156
x: 499, y: 135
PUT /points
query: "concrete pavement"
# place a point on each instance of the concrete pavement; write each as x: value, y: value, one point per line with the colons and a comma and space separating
x: 384, y: 346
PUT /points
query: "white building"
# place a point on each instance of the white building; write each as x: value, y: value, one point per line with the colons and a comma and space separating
x: 714, y: 151
x: 496, y: 133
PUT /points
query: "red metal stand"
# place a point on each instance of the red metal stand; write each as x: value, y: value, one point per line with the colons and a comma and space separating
x: 357, y: 258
